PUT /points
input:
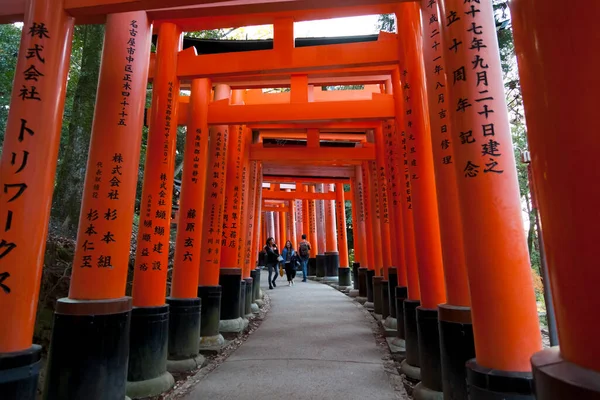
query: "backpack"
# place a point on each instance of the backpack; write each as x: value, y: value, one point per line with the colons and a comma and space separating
x: 303, y: 250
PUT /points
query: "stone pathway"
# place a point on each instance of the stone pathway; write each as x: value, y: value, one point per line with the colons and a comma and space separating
x: 315, y: 343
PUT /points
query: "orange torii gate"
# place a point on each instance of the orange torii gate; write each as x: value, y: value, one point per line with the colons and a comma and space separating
x: 466, y: 188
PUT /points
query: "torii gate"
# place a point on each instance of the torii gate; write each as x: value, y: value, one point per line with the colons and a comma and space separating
x: 462, y: 259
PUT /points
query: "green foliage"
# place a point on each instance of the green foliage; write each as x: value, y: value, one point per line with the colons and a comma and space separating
x: 10, y: 36
x: 386, y: 23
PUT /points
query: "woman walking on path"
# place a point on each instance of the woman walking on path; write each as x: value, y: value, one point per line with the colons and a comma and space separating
x: 289, y: 258
x: 271, y: 260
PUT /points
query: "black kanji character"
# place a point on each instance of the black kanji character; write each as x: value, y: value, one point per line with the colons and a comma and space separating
x: 24, y: 129
x: 29, y: 94
x: 39, y: 30
x: 471, y: 170
x: 23, y: 163
x: 4, y: 276
x: 482, y: 78
x: 91, y: 230
x: 108, y: 238
x: 488, y: 130
x: 452, y: 18
x: 455, y: 45
x: 477, y: 44
x: 158, y: 248
x: 466, y: 137
x: 32, y: 74
x: 478, y: 62
x: 187, y: 256
x: 463, y: 104
x: 476, y: 29
x: 490, y: 167
x: 9, y: 247
x: 447, y: 160
x: 473, y: 11
x: 35, y: 51
x: 22, y: 187
x: 491, y: 148
x: 485, y: 111
x: 110, y: 214
x: 159, y: 230
x: 460, y: 75
x: 88, y: 246
x: 445, y: 144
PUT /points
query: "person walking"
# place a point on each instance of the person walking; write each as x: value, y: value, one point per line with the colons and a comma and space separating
x: 271, y: 260
x: 304, y: 254
x: 290, y: 257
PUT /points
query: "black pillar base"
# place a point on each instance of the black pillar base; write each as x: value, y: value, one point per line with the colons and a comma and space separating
x: 148, y: 348
x: 255, y: 274
x: 355, y: 268
x: 312, y: 267
x: 457, y: 346
x: 392, y: 284
x: 243, y: 298
x: 429, y: 348
x: 249, y: 292
x: 184, y: 328
x: 369, y: 278
x: 344, y: 277
x: 148, y: 343
x: 385, y: 299
x: 230, y: 280
x: 555, y: 378
x: 89, y: 350
x: 321, y: 266
x: 211, y: 310
x: 401, y: 296
x: 490, y: 384
x: 411, y: 332
x: 332, y: 264
x: 19, y: 373
x: 377, y: 296
x: 362, y: 282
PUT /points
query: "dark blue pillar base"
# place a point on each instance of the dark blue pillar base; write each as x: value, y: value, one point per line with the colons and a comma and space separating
x: 19, y: 373
x: 392, y: 284
x: 355, y: 268
x: 148, y: 343
x: 211, y: 310
x: 321, y: 269
x: 312, y: 267
x: 332, y: 264
x: 230, y: 280
x: 89, y: 350
x: 429, y: 348
x: 362, y: 282
x: 457, y: 346
x: 489, y: 384
x: 401, y: 296
x: 344, y: 277
x: 184, y: 328
x: 249, y: 292
x: 377, y: 295
x: 557, y: 379
x: 255, y: 274
x: 411, y: 332
x: 385, y: 299
x: 369, y: 280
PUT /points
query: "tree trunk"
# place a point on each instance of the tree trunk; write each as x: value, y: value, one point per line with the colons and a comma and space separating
x: 71, y: 171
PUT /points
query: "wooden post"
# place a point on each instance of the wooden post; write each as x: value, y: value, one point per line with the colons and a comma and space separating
x: 565, y: 181
x: 102, y: 313
x: 498, y: 265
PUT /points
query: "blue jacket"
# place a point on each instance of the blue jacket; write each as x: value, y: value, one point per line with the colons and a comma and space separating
x: 284, y: 254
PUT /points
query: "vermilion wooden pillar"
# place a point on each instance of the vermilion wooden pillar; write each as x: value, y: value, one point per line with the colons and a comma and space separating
x: 566, y: 181
x: 292, y: 224
x: 230, y: 273
x: 456, y: 331
x: 27, y: 172
x: 342, y: 240
x: 209, y: 289
x: 332, y: 255
x: 94, y: 322
x: 321, y: 267
x: 152, y: 253
x: 361, y: 237
x: 312, y: 232
x: 422, y: 178
x: 498, y: 267
x: 370, y: 242
x: 378, y: 238
x: 184, y: 303
x: 384, y: 212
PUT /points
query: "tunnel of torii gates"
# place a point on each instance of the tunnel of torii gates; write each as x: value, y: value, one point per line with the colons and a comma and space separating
x: 425, y: 147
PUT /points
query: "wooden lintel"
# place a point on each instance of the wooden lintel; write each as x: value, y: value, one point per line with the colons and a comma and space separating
x: 313, y: 155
